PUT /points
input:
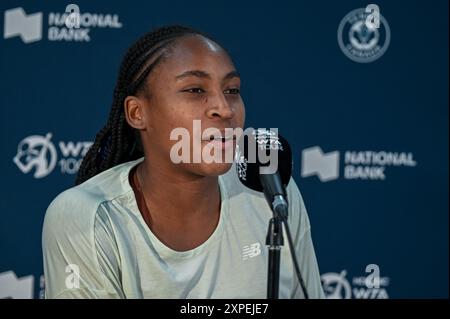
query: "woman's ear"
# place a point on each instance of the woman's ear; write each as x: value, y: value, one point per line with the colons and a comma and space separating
x: 134, y: 112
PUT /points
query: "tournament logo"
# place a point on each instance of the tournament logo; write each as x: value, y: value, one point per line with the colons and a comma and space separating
x: 369, y: 286
x: 364, y: 34
x: 36, y: 152
x: 336, y: 286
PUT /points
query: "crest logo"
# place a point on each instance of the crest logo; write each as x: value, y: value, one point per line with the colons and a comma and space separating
x: 364, y: 34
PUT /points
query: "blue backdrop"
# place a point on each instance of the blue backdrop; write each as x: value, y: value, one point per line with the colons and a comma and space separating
x: 370, y: 140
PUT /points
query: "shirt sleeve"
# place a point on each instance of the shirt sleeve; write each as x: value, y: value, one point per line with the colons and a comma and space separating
x: 79, y: 251
x: 304, y: 249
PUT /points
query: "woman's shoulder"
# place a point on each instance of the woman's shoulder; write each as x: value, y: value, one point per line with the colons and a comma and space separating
x: 77, y: 233
x: 74, y: 203
x: 78, y: 205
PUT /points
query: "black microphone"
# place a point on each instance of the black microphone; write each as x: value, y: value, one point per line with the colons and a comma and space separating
x: 264, y: 164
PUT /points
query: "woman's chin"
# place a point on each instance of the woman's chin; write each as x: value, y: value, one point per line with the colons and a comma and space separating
x: 215, y: 169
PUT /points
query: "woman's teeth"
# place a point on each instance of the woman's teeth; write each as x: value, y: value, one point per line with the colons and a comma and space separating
x: 220, y: 138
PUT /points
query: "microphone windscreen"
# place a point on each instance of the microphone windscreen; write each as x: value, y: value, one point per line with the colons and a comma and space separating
x: 262, y: 150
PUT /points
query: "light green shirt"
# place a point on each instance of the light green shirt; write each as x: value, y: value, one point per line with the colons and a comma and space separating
x: 96, y: 244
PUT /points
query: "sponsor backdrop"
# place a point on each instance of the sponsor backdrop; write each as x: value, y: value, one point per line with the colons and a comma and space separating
x: 359, y: 89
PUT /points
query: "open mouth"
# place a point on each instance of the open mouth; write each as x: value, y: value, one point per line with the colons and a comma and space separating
x: 219, y: 137
x: 222, y: 139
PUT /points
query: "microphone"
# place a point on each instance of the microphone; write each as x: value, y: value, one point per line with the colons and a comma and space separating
x: 264, y: 164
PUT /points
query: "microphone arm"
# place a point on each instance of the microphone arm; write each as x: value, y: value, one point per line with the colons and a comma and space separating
x: 275, y: 193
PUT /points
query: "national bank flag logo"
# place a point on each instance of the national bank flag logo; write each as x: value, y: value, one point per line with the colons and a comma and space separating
x: 315, y: 162
x: 18, y: 23
x: 17, y: 288
x: 370, y: 165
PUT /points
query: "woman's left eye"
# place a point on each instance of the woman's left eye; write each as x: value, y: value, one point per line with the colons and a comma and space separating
x: 232, y: 91
x: 194, y: 90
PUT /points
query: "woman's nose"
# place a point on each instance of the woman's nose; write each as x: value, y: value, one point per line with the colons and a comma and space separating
x: 219, y: 107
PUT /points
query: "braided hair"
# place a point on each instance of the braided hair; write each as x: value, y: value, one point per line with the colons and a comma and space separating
x: 117, y: 142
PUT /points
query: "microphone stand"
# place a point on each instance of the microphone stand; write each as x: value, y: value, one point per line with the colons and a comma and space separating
x: 274, y: 240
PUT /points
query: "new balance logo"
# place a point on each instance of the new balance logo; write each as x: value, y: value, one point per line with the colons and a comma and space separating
x: 18, y: 23
x: 315, y: 162
x: 251, y: 251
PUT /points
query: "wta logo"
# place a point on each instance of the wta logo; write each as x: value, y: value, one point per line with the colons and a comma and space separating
x: 372, y: 286
x: 38, y: 155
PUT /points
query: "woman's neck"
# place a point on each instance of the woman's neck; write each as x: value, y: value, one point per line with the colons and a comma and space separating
x: 180, y: 196
x: 182, y: 211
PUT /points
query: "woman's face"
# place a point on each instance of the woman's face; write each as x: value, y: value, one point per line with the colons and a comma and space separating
x: 195, y: 81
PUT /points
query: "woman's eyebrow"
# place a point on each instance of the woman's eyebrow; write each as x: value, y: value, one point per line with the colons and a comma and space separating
x: 232, y: 74
x: 203, y: 74
x: 196, y: 73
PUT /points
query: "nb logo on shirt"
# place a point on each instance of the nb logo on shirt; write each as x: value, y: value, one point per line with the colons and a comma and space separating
x: 251, y: 251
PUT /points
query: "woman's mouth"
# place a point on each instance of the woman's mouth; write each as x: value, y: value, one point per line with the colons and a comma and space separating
x: 220, y: 142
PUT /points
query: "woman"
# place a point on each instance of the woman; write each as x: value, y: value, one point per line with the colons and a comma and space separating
x: 138, y: 225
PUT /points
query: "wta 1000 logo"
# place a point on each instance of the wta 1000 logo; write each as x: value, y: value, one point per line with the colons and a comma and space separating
x: 38, y: 155
x: 371, y: 286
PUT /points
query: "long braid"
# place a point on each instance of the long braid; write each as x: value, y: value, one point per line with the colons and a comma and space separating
x: 117, y: 142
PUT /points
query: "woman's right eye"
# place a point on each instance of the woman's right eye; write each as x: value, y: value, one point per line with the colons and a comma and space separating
x: 194, y: 90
